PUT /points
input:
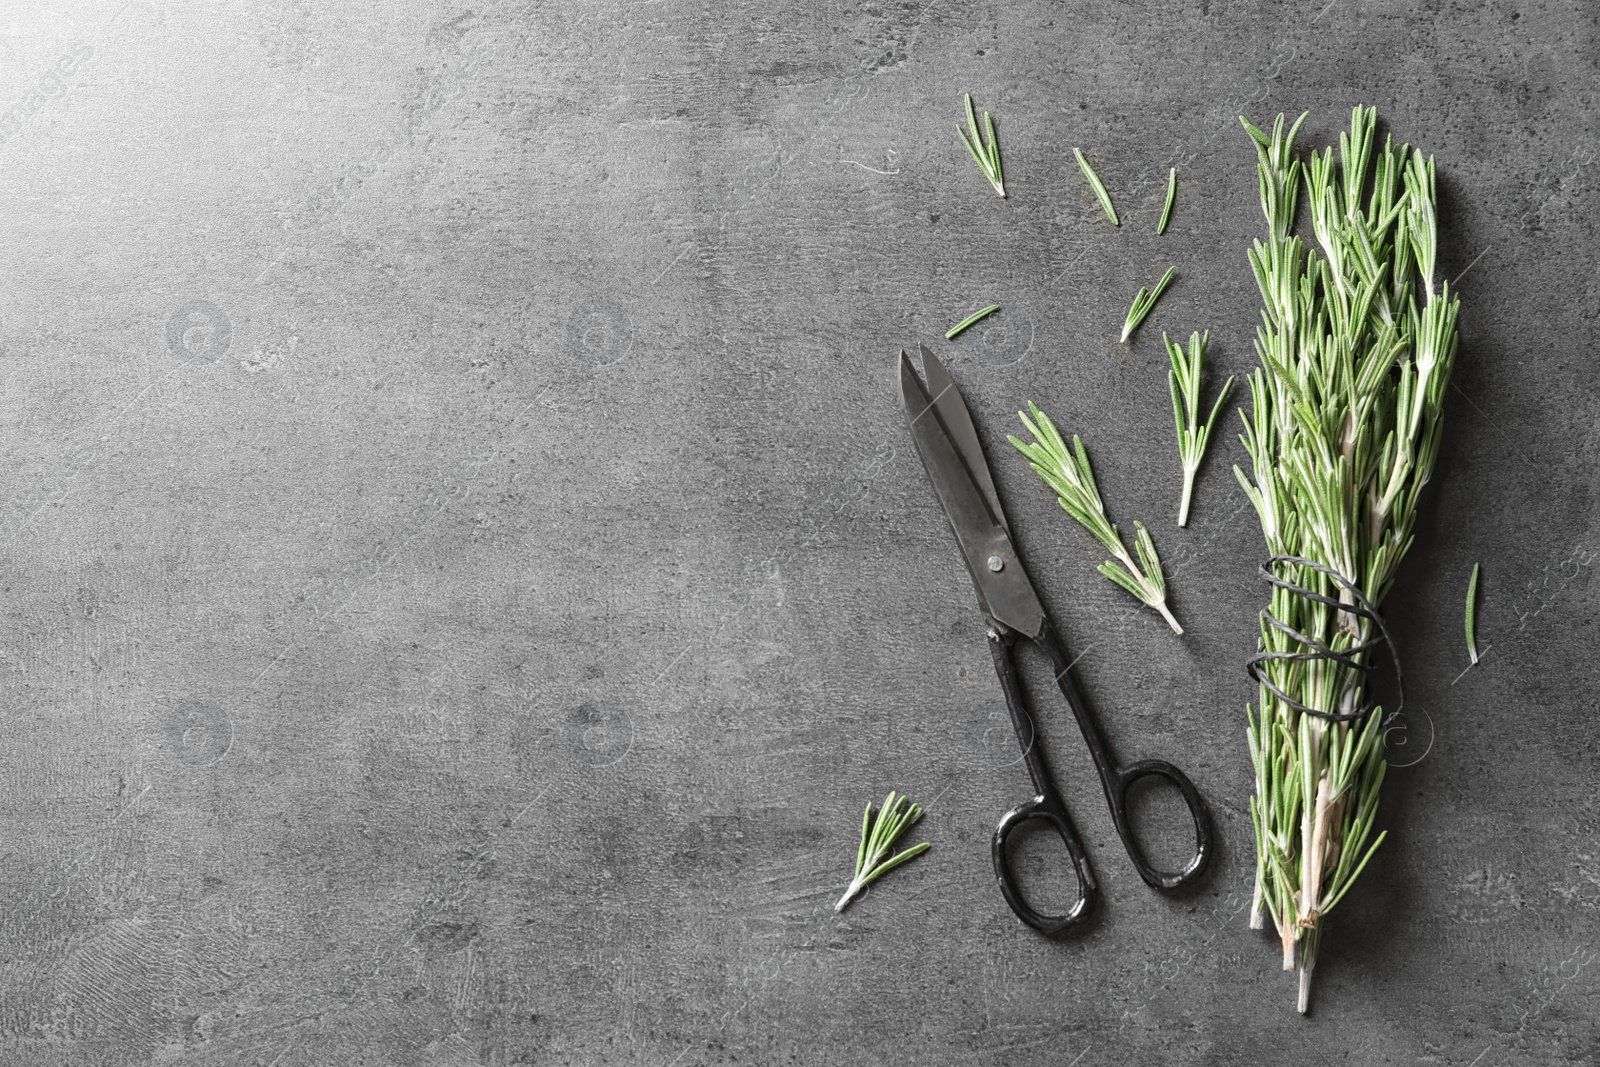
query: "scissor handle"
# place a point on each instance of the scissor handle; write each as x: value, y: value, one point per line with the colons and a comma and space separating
x: 1117, y: 779
x: 1041, y: 809
x: 1117, y: 787
x: 1046, y: 806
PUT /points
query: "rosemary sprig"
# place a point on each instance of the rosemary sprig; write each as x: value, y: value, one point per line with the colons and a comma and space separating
x: 986, y: 154
x: 1098, y: 186
x: 1356, y: 346
x: 1183, y: 380
x: 1143, y: 301
x: 1472, y: 613
x: 976, y: 316
x: 1172, y: 193
x: 1067, y: 471
x: 878, y: 837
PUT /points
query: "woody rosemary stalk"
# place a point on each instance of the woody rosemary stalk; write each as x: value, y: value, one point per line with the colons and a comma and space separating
x: 1356, y: 347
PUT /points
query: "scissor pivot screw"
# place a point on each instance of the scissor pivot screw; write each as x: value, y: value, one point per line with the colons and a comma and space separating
x: 996, y: 563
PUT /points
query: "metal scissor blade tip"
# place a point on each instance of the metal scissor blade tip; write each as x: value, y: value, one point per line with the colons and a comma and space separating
x: 957, y: 421
x: 912, y: 394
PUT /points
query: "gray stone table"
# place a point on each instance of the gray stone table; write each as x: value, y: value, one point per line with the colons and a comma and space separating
x: 464, y: 569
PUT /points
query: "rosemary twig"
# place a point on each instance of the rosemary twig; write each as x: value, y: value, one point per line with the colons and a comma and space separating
x: 1067, y: 471
x: 1472, y: 613
x: 984, y: 153
x: 1098, y: 186
x: 976, y: 316
x: 1143, y: 301
x: 1172, y: 192
x: 878, y: 837
x: 1183, y: 380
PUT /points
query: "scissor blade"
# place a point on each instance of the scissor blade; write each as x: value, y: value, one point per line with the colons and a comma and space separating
x: 1002, y: 584
x: 952, y: 408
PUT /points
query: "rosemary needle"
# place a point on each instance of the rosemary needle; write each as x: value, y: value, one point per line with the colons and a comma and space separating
x: 1172, y: 192
x: 1098, y: 186
x: 1143, y: 301
x: 976, y: 316
x: 878, y: 835
x: 986, y: 154
x: 1472, y: 612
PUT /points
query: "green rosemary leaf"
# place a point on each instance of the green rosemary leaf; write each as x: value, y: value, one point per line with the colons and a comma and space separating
x: 1172, y: 192
x: 985, y: 153
x: 902, y: 857
x: 886, y: 819
x: 861, y: 853
x: 1161, y: 286
x: 1351, y: 878
x: 972, y: 149
x: 1117, y: 573
x: 878, y: 837
x: 1098, y: 186
x: 1472, y: 612
x: 1067, y: 472
x: 994, y: 150
x: 976, y: 316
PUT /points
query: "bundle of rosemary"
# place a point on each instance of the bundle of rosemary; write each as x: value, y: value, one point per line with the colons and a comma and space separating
x: 1356, y: 347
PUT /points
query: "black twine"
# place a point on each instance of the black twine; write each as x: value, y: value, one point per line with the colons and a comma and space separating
x: 1350, y: 657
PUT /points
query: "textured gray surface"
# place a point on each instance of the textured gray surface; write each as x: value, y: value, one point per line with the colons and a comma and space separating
x: 464, y: 570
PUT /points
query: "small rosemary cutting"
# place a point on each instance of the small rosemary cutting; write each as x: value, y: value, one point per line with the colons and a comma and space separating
x: 1184, y: 382
x: 1143, y: 301
x: 1067, y: 471
x: 986, y: 154
x: 878, y: 836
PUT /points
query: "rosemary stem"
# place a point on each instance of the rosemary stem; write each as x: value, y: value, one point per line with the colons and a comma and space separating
x: 1188, y: 491
x: 1152, y: 596
x: 1308, y: 964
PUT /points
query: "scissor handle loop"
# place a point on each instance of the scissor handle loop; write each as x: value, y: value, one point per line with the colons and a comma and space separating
x: 1122, y: 780
x: 1053, y: 814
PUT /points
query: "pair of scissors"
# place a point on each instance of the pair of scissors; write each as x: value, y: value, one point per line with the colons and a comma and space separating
x: 942, y: 427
